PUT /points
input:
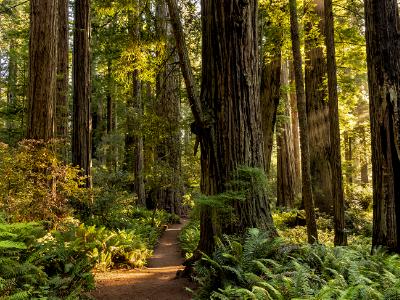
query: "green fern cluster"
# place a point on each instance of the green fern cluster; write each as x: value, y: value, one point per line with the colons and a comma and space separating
x: 19, y: 276
x: 258, y: 267
x: 189, y: 237
x: 35, y: 264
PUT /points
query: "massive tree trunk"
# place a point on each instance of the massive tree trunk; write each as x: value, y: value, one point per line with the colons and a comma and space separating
x: 81, y: 121
x: 42, y: 69
x: 307, y: 195
x: 335, y: 157
x: 168, y: 150
x: 230, y: 94
x: 227, y: 115
x: 383, y: 57
x: 286, y: 173
x: 62, y: 72
x: 318, y: 110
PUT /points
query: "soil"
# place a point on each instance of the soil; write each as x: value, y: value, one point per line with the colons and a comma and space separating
x: 156, y: 282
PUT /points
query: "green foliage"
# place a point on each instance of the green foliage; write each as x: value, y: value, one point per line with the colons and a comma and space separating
x: 258, y: 267
x: 189, y: 237
x: 35, y: 185
x: 36, y: 265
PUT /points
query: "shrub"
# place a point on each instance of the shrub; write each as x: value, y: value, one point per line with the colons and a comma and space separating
x: 34, y: 184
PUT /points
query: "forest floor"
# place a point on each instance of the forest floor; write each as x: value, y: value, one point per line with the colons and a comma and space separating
x: 156, y: 282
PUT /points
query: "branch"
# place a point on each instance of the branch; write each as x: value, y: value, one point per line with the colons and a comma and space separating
x: 8, y: 9
x: 194, y: 99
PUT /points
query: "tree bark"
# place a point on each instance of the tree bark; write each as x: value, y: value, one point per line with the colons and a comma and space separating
x: 269, y: 97
x: 42, y: 69
x: 364, y: 158
x: 295, y: 126
x: 62, y: 72
x: 348, y: 155
x: 230, y: 93
x: 383, y: 58
x: 110, y: 102
x: 81, y: 121
x: 285, y: 160
x: 318, y: 111
x: 337, y: 180
x: 307, y: 195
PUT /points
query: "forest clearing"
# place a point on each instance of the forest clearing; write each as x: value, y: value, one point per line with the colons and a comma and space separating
x: 199, y: 149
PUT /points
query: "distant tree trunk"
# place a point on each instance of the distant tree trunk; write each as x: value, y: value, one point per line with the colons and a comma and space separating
x: 81, y: 121
x: 364, y: 158
x: 285, y: 160
x: 307, y: 195
x: 168, y: 110
x: 138, y: 154
x: 337, y: 180
x: 11, y: 84
x: 110, y: 103
x: 62, y: 72
x: 348, y: 156
x: 383, y: 58
x: 295, y: 127
x: 42, y: 69
x: 318, y: 112
x: 12, y: 75
x: 269, y: 98
x: 134, y: 155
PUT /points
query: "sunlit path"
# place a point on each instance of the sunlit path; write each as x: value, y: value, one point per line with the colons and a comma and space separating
x: 158, y: 281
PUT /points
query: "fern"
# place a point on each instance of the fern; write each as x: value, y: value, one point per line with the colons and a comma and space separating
x: 258, y: 266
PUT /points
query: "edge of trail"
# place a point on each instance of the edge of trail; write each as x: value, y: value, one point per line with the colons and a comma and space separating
x: 156, y: 282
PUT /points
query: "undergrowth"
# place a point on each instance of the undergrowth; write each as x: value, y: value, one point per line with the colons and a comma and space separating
x: 189, y: 238
x: 259, y: 267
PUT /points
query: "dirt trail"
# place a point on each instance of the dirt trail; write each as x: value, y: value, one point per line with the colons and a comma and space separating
x: 157, y: 282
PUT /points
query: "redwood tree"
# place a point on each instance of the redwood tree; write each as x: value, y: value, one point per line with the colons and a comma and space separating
x: 42, y: 69
x: 383, y: 58
x: 317, y: 107
x: 232, y: 137
x: 62, y: 71
x: 307, y: 195
x: 168, y: 149
x: 81, y: 121
x: 335, y: 157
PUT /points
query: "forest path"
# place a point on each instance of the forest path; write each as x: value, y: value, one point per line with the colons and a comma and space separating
x: 156, y: 282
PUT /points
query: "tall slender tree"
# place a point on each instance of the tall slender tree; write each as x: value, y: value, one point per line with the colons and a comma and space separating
x: 42, y: 69
x: 317, y: 107
x: 307, y: 195
x: 335, y: 157
x: 62, y: 71
x: 82, y: 121
x: 168, y: 150
x: 269, y: 97
x: 382, y: 26
x: 286, y: 172
x: 134, y: 155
